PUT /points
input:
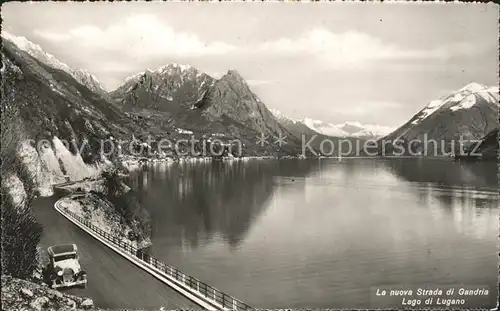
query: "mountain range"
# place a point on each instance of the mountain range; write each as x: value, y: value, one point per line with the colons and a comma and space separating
x: 179, y: 98
x: 178, y: 101
x: 173, y: 102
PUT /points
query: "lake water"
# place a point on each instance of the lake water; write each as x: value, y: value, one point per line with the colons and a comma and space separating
x: 325, y: 233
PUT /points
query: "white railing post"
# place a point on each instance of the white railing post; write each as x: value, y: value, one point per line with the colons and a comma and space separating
x: 234, y: 304
x: 198, y: 286
x: 215, y: 297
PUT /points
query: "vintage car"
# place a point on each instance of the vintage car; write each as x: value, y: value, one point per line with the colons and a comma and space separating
x: 63, y: 269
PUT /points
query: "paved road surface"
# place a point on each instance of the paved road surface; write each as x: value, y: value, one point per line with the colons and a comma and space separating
x: 113, y: 281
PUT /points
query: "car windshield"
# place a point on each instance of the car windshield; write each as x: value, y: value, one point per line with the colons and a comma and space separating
x: 64, y: 257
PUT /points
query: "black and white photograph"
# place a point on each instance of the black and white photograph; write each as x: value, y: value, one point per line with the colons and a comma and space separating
x: 239, y: 155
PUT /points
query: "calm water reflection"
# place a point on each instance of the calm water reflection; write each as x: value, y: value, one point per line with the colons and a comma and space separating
x: 321, y: 233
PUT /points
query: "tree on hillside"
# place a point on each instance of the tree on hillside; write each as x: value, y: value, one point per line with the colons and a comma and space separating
x: 21, y: 233
x: 112, y: 182
x: 126, y: 204
x: 10, y: 135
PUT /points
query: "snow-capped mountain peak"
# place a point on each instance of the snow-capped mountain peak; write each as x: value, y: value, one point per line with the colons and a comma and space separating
x: 346, y: 129
x: 473, y: 87
x: 174, y: 67
x: 469, y: 113
x: 169, y: 69
x: 464, y: 98
x: 281, y: 116
x: 360, y: 130
x: 353, y: 123
x: 325, y: 128
x: 182, y: 67
x: 133, y: 76
x: 35, y: 51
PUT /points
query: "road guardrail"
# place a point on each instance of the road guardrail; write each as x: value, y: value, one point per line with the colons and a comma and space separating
x: 205, y: 295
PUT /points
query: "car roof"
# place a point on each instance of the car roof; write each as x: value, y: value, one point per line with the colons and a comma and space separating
x: 61, y: 249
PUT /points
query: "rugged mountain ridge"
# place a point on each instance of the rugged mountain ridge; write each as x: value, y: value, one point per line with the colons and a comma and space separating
x: 231, y: 96
x: 470, y: 112
x: 168, y: 88
x: 181, y: 99
x: 37, y: 52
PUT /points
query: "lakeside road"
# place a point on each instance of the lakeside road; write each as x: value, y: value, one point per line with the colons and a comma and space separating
x: 113, y: 281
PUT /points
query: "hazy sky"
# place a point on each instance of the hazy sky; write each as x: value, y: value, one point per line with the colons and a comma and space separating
x: 376, y: 63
